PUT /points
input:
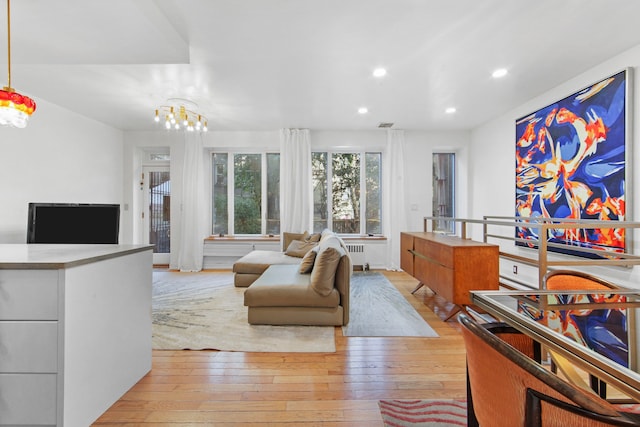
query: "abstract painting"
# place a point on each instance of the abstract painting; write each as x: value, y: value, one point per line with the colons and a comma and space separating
x: 571, y: 163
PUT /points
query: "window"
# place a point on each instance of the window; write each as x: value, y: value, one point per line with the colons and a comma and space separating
x: 246, y: 193
x: 339, y: 179
x: 273, y: 193
x: 443, y: 190
x: 220, y: 191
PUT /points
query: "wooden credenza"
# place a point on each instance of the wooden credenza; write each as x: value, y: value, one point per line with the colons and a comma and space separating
x: 448, y: 265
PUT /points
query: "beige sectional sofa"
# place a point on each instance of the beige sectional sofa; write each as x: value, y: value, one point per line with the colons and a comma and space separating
x: 279, y: 293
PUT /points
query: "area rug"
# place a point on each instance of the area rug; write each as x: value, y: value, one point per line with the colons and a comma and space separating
x: 378, y: 309
x: 198, y: 311
x: 433, y: 413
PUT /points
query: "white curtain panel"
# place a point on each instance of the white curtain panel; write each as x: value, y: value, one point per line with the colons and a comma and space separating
x: 393, y: 201
x: 192, y: 222
x: 296, y: 188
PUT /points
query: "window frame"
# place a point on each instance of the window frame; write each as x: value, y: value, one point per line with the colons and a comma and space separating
x: 231, y: 153
x: 363, y: 187
x: 444, y: 226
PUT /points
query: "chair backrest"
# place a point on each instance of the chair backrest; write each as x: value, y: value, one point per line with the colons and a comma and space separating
x: 574, y: 280
x: 500, y: 376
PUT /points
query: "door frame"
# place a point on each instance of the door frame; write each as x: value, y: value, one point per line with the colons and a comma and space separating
x: 158, y: 258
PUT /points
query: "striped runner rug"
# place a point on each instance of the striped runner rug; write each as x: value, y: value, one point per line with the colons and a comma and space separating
x: 433, y: 413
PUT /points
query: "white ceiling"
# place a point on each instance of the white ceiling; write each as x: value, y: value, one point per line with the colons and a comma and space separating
x: 267, y: 64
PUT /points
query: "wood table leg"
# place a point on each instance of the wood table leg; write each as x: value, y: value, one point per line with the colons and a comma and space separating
x: 417, y: 287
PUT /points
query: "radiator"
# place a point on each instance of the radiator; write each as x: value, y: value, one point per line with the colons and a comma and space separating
x: 356, y: 252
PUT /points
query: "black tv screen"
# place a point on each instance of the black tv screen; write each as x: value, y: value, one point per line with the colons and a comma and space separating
x: 73, y: 223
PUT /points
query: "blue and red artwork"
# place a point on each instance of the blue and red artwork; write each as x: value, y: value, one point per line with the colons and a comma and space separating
x: 571, y: 164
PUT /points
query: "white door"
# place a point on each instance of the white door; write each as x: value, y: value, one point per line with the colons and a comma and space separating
x: 157, y: 215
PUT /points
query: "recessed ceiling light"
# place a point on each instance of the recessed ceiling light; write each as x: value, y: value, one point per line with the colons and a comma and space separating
x: 379, y: 72
x: 500, y: 72
x: 450, y: 110
x: 363, y: 110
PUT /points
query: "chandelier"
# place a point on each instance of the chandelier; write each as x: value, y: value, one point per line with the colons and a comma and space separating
x: 180, y: 114
x: 15, y: 109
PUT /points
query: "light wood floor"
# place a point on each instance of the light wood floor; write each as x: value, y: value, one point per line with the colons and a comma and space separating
x: 306, y: 389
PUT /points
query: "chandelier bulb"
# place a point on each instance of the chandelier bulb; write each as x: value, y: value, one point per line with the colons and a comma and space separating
x: 180, y: 116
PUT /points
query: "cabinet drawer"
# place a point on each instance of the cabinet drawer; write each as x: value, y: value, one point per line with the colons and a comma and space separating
x: 435, y: 252
x: 28, y: 294
x: 28, y: 347
x: 27, y: 399
x: 436, y: 277
x: 406, y: 257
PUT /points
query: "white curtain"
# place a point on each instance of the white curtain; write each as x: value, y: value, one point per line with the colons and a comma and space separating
x: 296, y: 188
x: 394, y: 207
x: 192, y: 221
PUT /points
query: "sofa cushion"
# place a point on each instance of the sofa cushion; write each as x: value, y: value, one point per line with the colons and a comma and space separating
x: 308, y: 260
x: 324, y: 269
x: 283, y: 286
x: 256, y: 262
x: 288, y: 237
x: 299, y: 248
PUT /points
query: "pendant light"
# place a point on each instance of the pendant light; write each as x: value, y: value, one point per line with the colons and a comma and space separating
x: 15, y: 109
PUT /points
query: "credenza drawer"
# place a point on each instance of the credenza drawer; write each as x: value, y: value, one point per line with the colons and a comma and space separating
x: 451, y: 266
x: 28, y: 347
x: 434, y: 252
x: 28, y: 295
x: 28, y: 399
x: 436, y: 277
x: 406, y: 253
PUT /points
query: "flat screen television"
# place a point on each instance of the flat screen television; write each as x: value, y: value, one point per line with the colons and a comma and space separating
x: 81, y: 223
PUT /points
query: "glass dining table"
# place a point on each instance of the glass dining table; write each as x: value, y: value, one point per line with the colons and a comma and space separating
x: 595, y: 330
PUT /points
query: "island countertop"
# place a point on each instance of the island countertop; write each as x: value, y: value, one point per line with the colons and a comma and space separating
x: 55, y: 256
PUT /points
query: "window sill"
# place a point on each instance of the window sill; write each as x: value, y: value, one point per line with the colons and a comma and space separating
x: 363, y: 238
x: 277, y: 238
x: 242, y: 238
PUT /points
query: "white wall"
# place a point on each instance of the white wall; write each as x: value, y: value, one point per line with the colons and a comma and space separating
x: 59, y: 157
x: 492, y: 173
x: 419, y: 147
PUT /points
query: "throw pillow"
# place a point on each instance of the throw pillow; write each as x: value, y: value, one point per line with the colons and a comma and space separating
x: 308, y: 260
x: 314, y: 237
x: 324, y: 270
x: 299, y: 248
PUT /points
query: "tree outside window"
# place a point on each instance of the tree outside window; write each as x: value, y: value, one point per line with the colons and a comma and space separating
x: 247, y: 196
x: 246, y: 193
x: 339, y: 206
x: 220, y: 198
x: 320, y: 190
x: 443, y: 191
x: 255, y: 180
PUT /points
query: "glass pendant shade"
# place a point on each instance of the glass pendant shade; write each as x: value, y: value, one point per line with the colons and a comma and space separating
x: 15, y: 109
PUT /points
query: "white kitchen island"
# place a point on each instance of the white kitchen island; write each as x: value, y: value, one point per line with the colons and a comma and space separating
x: 75, y: 330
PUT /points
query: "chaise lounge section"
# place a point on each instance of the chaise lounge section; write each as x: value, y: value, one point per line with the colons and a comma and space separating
x: 307, y: 284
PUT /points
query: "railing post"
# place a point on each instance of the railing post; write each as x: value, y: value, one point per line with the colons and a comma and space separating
x: 542, y: 253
